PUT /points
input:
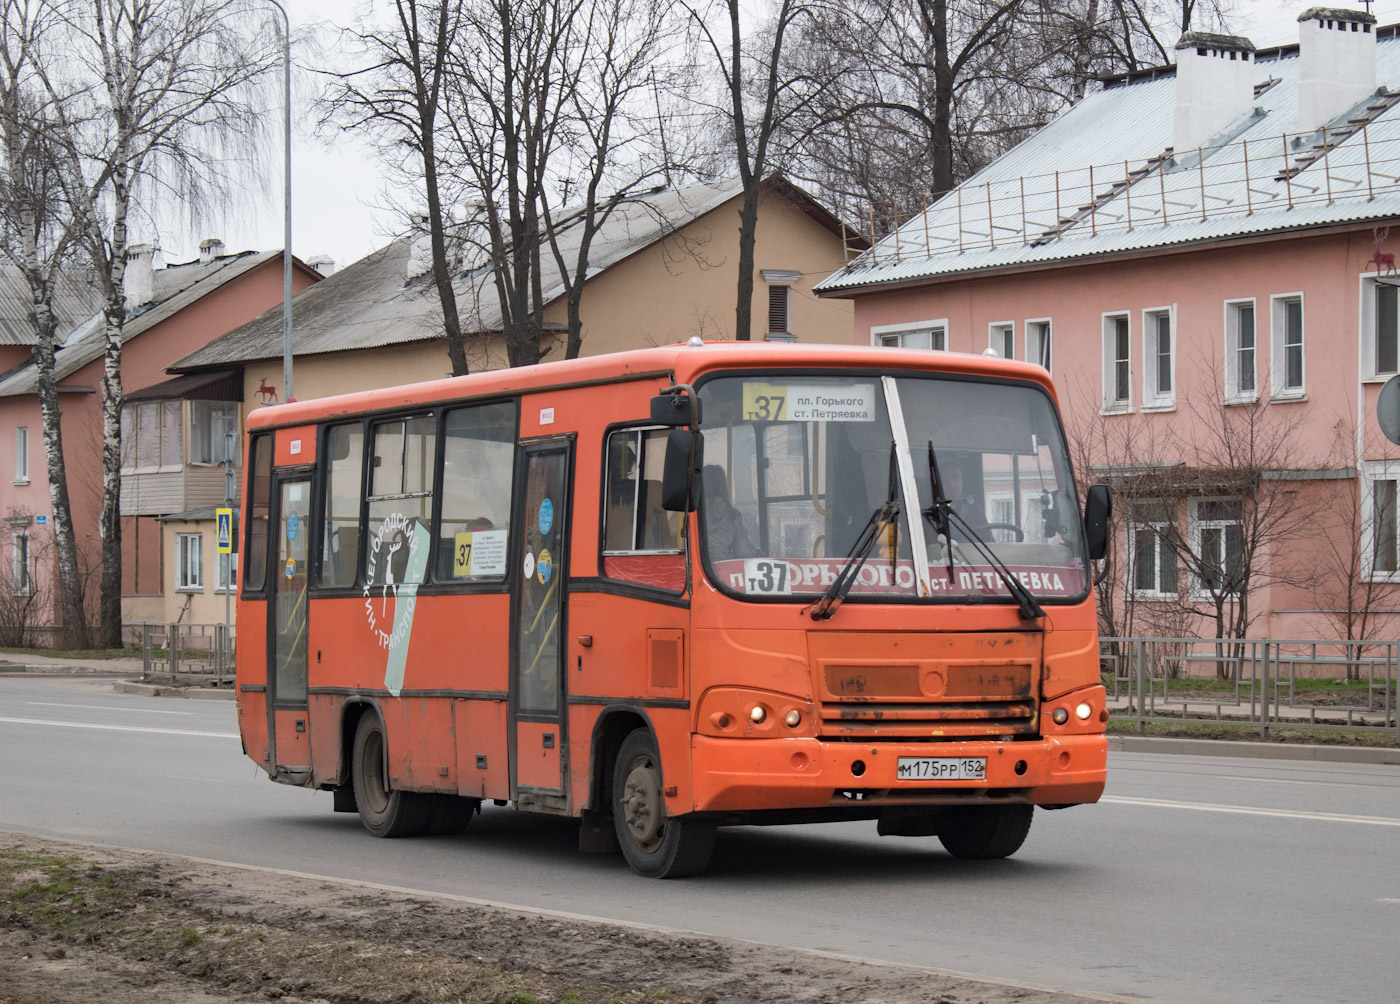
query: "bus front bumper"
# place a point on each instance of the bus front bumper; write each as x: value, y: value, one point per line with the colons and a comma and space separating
x: 756, y: 774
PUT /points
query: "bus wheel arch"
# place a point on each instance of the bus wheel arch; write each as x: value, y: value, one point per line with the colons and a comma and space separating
x: 384, y: 810
x: 655, y: 844
x: 613, y: 725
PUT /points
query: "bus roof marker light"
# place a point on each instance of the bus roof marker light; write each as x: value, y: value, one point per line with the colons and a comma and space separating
x: 695, y: 342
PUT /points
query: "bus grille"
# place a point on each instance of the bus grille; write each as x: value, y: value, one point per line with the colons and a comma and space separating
x: 949, y: 701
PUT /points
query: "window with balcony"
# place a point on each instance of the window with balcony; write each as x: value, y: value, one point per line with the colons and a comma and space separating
x: 151, y: 436
x: 211, y: 422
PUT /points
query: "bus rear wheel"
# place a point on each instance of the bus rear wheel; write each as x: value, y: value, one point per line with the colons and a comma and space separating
x: 655, y: 845
x: 979, y: 832
x: 384, y: 811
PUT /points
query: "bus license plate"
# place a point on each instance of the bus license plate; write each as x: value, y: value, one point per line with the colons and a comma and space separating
x: 942, y: 768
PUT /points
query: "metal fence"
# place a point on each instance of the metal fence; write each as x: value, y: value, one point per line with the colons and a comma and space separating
x: 1260, y: 683
x: 186, y: 652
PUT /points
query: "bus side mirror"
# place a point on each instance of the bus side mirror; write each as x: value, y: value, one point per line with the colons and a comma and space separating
x: 679, y: 476
x: 1098, y: 509
x: 675, y: 409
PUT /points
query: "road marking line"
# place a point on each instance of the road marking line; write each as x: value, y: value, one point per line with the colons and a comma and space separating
x: 1246, y: 810
x: 120, y: 728
x: 104, y: 707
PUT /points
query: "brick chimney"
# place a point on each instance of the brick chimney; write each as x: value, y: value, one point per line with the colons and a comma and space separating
x: 209, y: 249
x: 138, y: 282
x: 1336, y: 63
x: 1214, y: 86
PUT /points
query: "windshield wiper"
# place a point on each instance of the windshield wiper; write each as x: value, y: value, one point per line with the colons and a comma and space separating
x: 879, y: 522
x: 941, y: 515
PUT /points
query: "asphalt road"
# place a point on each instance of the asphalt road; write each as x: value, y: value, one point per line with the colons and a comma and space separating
x: 1197, y: 879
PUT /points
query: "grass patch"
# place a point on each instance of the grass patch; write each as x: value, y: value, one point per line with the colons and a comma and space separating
x: 130, y: 652
x: 1126, y: 725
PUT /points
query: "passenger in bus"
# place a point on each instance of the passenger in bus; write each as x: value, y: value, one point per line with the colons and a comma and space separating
x: 726, y: 535
x: 964, y: 505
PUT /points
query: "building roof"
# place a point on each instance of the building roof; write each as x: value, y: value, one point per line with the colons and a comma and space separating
x: 76, y: 297
x: 175, y: 288
x: 370, y: 303
x: 1103, y: 179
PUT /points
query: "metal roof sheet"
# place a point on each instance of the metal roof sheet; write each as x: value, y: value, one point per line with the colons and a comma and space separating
x: 76, y: 297
x: 1102, y: 179
x: 370, y: 304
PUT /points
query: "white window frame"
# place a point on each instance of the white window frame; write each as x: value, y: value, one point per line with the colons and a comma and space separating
x: 227, y: 563
x: 1161, y: 551
x: 1234, y: 394
x: 937, y: 330
x: 999, y: 334
x: 1371, y: 473
x: 21, y: 563
x: 1370, y: 372
x: 21, y: 455
x: 1033, y: 355
x: 1154, y: 398
x: 1194, y: 527
x: 187, y: 544
x: 1278, y: 350
x: 1112, y: 403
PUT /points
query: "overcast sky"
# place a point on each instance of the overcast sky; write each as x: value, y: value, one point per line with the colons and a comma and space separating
x: 338, y: 195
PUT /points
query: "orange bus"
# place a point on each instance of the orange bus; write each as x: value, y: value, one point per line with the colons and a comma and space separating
x: 673, y: 589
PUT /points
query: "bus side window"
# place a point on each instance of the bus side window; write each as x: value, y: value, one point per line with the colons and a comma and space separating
x: 343, y: 459
x: 478, y: 462
x: 634, y: 518
x: 400, y: 500
x: 259, y: 498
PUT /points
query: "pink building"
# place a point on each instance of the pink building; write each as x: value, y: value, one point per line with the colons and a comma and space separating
x: 171, y: 312
x: 1200, y: 255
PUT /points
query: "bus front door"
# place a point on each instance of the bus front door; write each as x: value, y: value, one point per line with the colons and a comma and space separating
x: 286, y: 630
x: 538, y: 744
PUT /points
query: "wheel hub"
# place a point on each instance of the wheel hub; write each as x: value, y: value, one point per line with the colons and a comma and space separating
x: 642, y: 806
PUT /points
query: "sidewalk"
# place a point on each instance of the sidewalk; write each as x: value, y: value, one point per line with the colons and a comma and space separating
x: 126, y: 670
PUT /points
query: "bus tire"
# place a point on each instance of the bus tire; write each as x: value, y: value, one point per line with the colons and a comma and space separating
x: 655, y: 846
x: 979, y: 832
x: 383, y: 811
x: 451, y: 814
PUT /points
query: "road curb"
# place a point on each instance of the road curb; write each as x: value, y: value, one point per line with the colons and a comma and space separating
x: 1260, y: 751
x: 156, y: 690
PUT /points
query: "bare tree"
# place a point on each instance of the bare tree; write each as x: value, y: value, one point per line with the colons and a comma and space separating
x: 41, y: 227
x: 759, y: 96
x: 164, y: 111
x: 398, y: 94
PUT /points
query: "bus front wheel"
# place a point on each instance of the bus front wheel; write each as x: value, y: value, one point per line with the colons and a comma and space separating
x: 384, y: 812
x: 655, y: 845
x: 980, y: 832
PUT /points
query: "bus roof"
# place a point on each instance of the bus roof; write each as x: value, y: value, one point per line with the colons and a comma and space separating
x: 682, y: 362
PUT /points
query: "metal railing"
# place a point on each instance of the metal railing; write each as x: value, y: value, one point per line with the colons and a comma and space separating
x: 1280, y: 173
x: 1260, y: 683
x: 186, y: 652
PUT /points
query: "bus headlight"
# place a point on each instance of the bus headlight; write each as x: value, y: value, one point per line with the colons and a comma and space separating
x: 757, y: 715
x: 1082, y: 711
x: 794, y: 718
x: 1060, y: 716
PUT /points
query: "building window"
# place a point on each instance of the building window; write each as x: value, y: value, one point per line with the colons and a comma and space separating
x: 1038, y: 343
x: 189, y: 562
x: 1286, y: 325
x: 1159, y: 350
x: 1117, y: 370
x: 1002, y: 338
x: 1380, y: 520
x: 22, y: 455
x: 1154, y: 549
x: 19, y: 563
x: 151, y: 438
x: 210, y: 423
x: 1240, y: 352
x: 1384, y: 338
x: 919, y: 335
x: 780, y: 283
x: 228, y: 573
x: 1217, y: 537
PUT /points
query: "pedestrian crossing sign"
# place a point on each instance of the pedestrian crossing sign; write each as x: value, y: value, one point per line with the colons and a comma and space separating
x: 224, y: 533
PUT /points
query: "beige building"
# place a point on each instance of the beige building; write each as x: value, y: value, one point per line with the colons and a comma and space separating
x: 663, y: 269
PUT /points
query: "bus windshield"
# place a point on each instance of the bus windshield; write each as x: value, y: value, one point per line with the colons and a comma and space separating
x: 795, y: 466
